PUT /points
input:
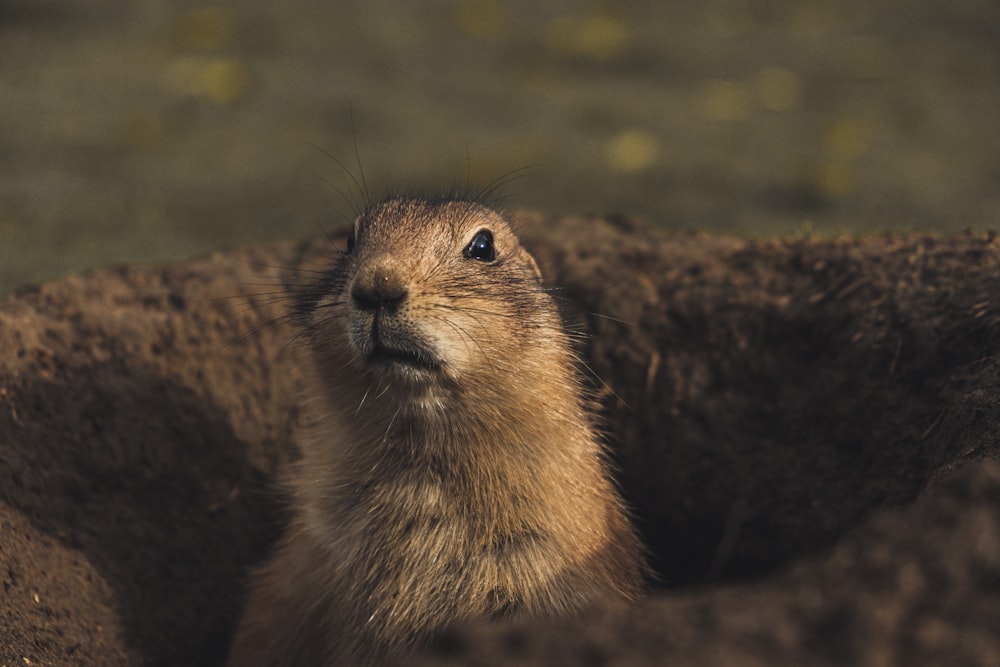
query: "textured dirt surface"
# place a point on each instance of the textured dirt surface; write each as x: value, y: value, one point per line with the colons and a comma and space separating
x: 806, y: 429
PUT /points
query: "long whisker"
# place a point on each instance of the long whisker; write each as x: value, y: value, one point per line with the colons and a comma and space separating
x: 485, y: 195
x: 343, y: 195
x: 609, y: 317
x: 576, y: 304
x: 357, y: 158
x: 247, y: 297
x: 363, y: 398
x: 256, y: 330
x: 362, y: 190
x: 282, y: 268
x: 329, y: 239
x: 583, y: 364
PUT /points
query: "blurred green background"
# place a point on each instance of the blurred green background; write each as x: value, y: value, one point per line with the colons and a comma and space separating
x: 138, y: 130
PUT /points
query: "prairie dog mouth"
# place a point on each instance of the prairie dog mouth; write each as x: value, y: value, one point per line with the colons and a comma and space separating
x: 387, y: 343
x: 408, y: 356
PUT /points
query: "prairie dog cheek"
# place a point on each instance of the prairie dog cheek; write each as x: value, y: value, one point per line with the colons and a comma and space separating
x: 463, y: 338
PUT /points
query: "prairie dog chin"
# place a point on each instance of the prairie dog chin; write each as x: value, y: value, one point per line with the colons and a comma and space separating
x: 451, y: 470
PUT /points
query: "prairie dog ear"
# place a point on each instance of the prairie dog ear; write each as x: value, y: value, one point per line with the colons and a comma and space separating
x: 534, y: 266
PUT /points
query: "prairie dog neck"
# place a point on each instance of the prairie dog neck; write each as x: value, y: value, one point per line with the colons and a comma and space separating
x: 445, y: 365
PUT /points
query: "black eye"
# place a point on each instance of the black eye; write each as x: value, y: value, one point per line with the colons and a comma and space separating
x: 350, y: 243
x: 481, y: 247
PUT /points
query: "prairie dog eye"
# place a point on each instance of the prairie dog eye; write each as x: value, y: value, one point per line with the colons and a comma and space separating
x: 481, y: 248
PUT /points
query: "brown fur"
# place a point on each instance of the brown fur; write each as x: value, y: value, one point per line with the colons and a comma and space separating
x: 467, y: 486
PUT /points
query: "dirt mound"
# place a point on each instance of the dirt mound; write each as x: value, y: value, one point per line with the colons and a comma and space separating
x: 806, y: 429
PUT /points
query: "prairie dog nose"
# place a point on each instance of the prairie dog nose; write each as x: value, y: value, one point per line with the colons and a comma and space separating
x: 378, y: 284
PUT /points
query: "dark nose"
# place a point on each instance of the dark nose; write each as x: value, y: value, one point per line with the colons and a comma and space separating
x: 378, y: 284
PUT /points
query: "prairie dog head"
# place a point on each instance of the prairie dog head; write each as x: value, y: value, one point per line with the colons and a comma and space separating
x: 428, y: 294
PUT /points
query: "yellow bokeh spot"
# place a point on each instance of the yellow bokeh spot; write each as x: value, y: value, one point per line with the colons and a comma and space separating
x: 597, y: 36
x: 632, y: 150
x: 480, y: 18
x: 847, y: 137
x: 220, y: 80
x: 725, y: 100
x: 206, y: 29
x: 224, y: 80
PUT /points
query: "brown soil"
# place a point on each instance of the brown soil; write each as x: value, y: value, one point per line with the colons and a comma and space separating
x: 806, y: 429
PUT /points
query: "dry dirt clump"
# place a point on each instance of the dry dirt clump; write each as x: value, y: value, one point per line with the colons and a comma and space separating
x: 805, y: 428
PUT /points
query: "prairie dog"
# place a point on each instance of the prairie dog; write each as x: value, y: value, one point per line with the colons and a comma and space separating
x: 452, y: 471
